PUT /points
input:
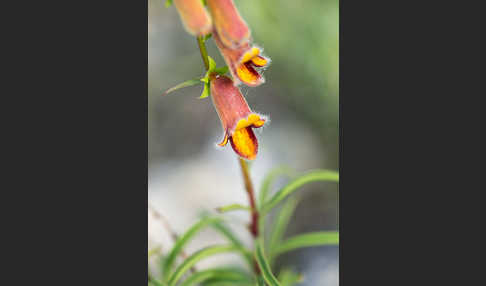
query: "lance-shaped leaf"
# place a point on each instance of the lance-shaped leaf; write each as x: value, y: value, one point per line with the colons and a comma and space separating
x: 232, y: 207
x: 198, y: 256
x: 183, y: 240
x: 280, y: 226
x: 307, y: 240
x: 155, y: 282
x: 320, y: 175
x: 212, y: 276
x: 260, y: 281
x: 226, y: 232
x: 268, y: 181
x: 264, y: 266
x: 187, y: 83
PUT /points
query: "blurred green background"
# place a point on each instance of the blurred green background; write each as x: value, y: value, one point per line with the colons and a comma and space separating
x: 188, y: 173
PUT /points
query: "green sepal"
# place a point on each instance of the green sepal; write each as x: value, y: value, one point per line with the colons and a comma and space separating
x: 212, y: 65
x: 205, y: 92
x: 207, y: 36
x: 221, y: 70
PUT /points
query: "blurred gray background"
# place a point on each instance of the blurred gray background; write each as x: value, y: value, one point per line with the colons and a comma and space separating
x: 188, y: 173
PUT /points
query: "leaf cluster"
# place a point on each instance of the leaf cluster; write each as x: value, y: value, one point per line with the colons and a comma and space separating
x: 268, y: 246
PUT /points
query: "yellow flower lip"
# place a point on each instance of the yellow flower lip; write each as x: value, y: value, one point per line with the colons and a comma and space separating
x: 246, y: 68
x: 243, y: 62
x: 253, y: 120
x: 244, y: 143
x: 243, y: 140
x: 253, y: 52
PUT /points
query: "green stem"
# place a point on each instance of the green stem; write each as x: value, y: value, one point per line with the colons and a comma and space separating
x: 204, y: 52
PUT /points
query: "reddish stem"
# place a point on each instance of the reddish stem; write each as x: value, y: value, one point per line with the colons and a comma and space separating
x: 251, y: 197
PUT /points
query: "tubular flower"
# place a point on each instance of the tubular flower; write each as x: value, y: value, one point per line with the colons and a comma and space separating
x: 242, y: 62
x: 228, y: 23
x: 194, y: 16
x: 236, y: 117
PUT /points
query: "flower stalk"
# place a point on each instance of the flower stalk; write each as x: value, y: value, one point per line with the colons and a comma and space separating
x: 203, y: 51
x: 253, y: 227
x: 251, y: 196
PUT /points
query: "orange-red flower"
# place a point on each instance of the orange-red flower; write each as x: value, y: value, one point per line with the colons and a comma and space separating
x: 194, y: 16
x: 229, y: 25
x: 236, y: 117
x: 243, y: 62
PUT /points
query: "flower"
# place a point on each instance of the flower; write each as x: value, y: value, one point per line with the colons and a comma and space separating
x: 236, y: 117
x: 194, y: 16
x: 242, y: 62
x: 228, y: 23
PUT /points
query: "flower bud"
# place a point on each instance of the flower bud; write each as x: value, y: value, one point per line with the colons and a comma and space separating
x: 236, y: 117
x: 194, y: 16
x: 228, y: 23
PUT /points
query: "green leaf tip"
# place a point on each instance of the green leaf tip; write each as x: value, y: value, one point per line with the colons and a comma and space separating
x: 232, y: 207
x: 168, y: 3
x: 313, y: 176
x: 320, y: 238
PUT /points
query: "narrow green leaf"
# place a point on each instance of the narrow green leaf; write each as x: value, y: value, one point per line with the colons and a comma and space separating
x: 280, y: 225
x: 212, y: 276
x: 156, y: 282
x: 226, y: 232
x: 232, y: 207
x: 268, y: 180
x: 168, y: 3
x: 260, y: 281
x: 182, y: 241
x: 212, y: 64
x: 198, y: 256
x: 320, y: 175
x: 307, y: 240
x: 205, y: 92
x: 264, y: 266
x: 227, y: 283
x: 187, y: 83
